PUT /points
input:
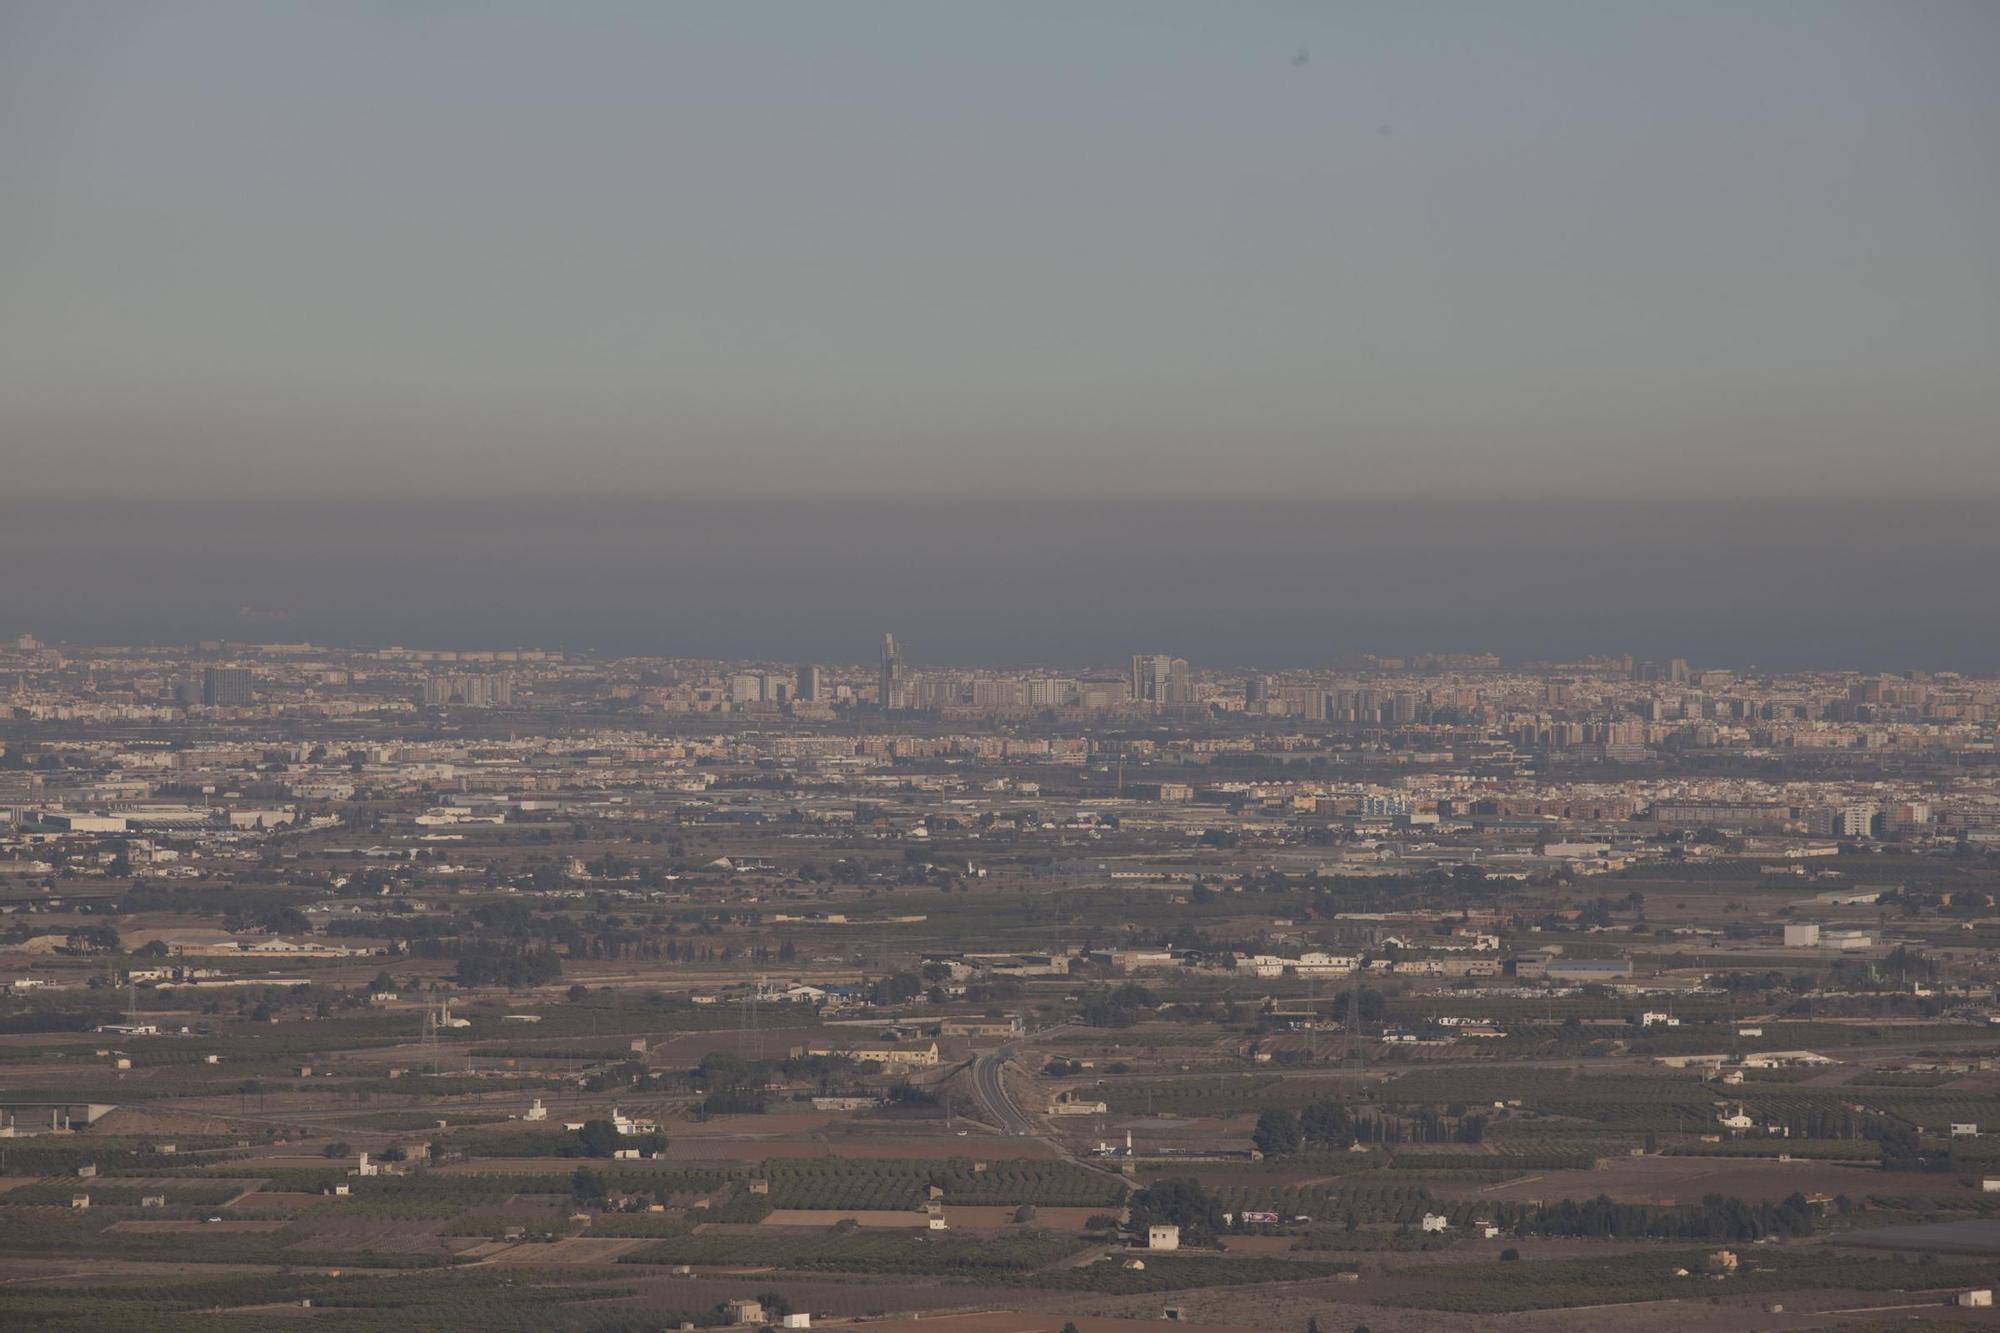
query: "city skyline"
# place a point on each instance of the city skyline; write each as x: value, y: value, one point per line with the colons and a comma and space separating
x: 1364, y: 688
x: 1151, y: 678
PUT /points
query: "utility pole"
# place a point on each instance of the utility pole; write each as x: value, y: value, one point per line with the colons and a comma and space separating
x: 753, y: 1037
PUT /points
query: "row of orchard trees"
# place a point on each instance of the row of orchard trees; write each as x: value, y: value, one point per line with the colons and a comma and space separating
x: 1327, y: 1124
x: 1714, y: 1218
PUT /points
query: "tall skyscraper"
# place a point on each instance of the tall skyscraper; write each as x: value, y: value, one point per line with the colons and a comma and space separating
x: 891, y: 686
x: 225, y: 687
x: 809, y: 685
x: 1160, y: 679
x: 1149, y: 676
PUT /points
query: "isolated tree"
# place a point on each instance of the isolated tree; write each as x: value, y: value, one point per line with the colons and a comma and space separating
x: 598, y: 1138
x: 1181, y: 1201
x: 1277, y: 1132
x: 1325, y: 1124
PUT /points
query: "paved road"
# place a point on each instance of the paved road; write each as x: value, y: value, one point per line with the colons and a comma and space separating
x: 991, y: 1089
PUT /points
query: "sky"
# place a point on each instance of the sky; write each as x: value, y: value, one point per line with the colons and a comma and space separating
x: 945, y: 252
x: 1253, y: 332
x: 1803, y: 585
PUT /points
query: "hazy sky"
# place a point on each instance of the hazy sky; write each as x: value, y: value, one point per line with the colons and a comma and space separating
x: 888, y: 249
x: 1818, y: 584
